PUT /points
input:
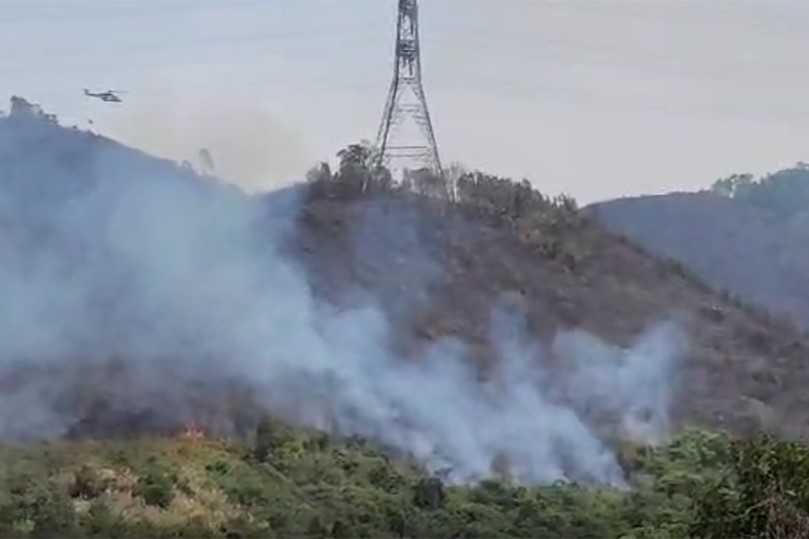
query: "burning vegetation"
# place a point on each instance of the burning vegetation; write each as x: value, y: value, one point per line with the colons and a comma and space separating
x: 192, y: 432
x: 473, y: 326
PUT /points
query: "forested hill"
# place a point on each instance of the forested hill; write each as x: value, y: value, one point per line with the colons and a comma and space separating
x: 179, y: 358
x: 99, y: 239
x: 743, y: 236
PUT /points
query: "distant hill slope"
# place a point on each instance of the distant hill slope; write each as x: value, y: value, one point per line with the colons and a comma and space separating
x: 567, y: 274
x: 730, y: 246
x: 745, y: 237
x: 147, y: 296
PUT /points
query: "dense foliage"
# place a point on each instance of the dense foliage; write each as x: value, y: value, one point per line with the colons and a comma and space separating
x: 783, y: 195
x: 289, y: 482
x: 360, y: 172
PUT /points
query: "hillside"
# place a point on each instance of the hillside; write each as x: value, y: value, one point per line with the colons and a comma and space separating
x: 493, y: 334
x: 741, y: 237
x: 567, y: 273
x: 105, y: 221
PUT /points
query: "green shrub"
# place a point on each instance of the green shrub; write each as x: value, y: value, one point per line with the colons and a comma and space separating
x: 699, y: 485
x: 50, y: 510
x: 100, y: 521
x: 264, y: 439
x: 86, y: 484
x: 764, y: 494
x: 156, y: 488
x: 429, y: 493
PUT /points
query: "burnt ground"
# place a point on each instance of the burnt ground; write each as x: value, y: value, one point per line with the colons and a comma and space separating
x: 440, y: 270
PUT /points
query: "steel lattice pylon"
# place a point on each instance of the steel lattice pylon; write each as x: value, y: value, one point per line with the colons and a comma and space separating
x: 422, y: 151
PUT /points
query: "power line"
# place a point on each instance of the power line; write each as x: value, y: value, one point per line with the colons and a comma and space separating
x: 54, y: 63
x: 554, y: 51
x: 310, y: 34
x: 65, y: 12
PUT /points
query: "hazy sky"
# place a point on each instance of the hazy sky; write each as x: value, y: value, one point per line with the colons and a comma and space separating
x: 597, y: 99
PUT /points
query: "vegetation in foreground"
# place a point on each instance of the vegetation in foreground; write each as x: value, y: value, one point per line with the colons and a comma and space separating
x: 296, y: 483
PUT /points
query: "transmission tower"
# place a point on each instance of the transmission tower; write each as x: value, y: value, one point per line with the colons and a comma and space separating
x: 406, y: 103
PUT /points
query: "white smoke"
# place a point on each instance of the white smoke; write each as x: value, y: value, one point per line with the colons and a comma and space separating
x: 184, y: 283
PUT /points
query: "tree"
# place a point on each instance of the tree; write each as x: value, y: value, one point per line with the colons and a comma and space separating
x: 765, y: 493
x: 430, y: 494
x: 263, y: 444
x: 156, y: 488
x: 320, y: 173
x: 86, y: 484
x: 354, y: 156
x: 429, y: 184
x: 359, y: 168
x: 733, y: 185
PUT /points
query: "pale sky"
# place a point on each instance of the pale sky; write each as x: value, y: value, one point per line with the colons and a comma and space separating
x: 597, y: 99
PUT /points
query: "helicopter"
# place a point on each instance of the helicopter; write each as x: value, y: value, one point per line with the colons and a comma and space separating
x: 110, y: 96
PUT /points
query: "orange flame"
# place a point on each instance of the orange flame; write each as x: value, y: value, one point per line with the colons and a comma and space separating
x: 192, y: 432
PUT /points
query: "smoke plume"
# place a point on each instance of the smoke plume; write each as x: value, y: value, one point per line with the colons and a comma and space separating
x: 133, y: 287
x: 250, y: 144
